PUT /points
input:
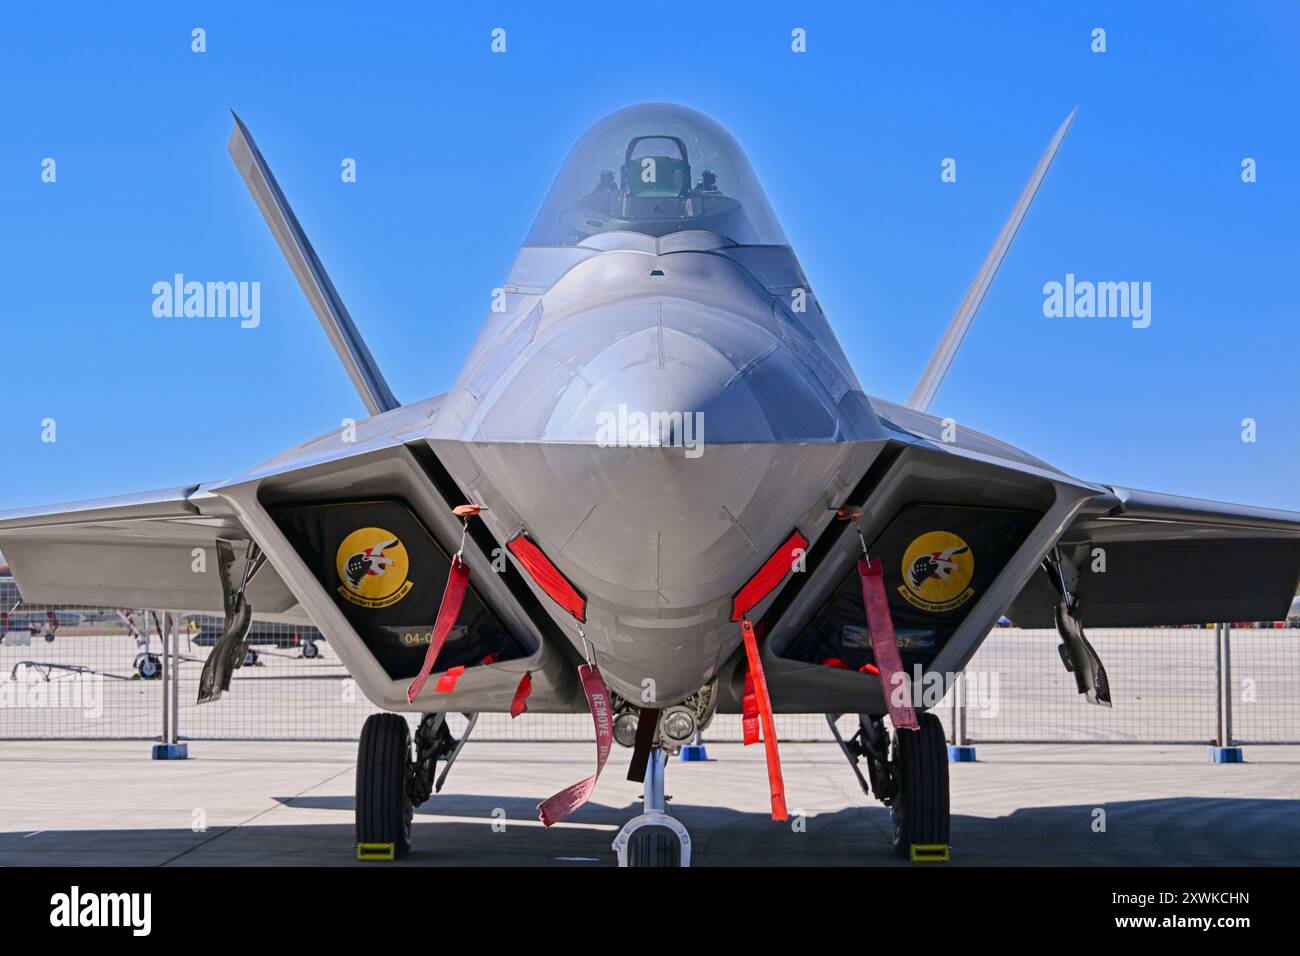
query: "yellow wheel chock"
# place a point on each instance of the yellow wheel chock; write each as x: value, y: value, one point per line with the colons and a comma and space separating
x: 376, y: 852
x: 930, y: 853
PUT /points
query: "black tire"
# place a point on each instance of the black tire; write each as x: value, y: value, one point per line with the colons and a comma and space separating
x: 250, y: 657
x: 148, y: 666
x: 383, y: 809
x: 310, y: 650
x: 920, y: 809
x: 654, y: 846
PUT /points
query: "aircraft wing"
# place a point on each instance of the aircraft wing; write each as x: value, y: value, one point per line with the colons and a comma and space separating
x: 160, y: 550
x: 149, y: 550
x: 1147, y: 558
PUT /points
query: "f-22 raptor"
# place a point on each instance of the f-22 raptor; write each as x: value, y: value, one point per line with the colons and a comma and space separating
x: 656, y: 491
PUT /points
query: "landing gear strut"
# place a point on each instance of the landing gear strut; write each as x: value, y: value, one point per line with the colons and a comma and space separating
x: 909, y: 774
x: 396, y: 774
x: 654, y: 838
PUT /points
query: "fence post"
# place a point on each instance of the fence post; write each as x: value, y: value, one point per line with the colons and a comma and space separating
x: 952, y: 705
x: 1219, y: 740
x: 1223, y: 751
x: 175, y: 633
x: 167, y: 748
x: 959, y: 751
x: 166, y: 672
x: 1225, y: 642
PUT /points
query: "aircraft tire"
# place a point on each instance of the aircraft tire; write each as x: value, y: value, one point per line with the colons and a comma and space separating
x: 310, y: 650
x: 148, y: 666
x: 384, y: 813
x: 654, y: 846
x: 920, y: 809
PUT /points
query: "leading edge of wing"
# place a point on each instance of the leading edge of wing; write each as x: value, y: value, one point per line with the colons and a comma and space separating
x: 1116, y: 512
x: 160, y: 503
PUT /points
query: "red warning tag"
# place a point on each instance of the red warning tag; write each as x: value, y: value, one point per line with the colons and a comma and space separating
x: 520, y: 703
x: 447, y: 682
x: 893, y: 679
x: 764, y: 702
x: 452, y: 599
x: 749, y: 720
x: 554, y: 809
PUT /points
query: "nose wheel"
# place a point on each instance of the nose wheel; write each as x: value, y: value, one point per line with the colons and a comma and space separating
x: 654, y: 838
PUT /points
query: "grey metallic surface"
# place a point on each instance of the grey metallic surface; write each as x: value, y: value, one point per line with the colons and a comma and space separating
x: 394, y: 471
x: 919, y: 473
x: 693, y: 330
x: 134, y: 551
x: 658, y: 543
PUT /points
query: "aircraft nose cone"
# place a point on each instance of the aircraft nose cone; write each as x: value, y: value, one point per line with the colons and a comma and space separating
x: 680, y: 334
x: 612, y: 371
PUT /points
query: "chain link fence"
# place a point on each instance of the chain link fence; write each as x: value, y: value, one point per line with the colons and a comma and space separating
x: 90, y: 673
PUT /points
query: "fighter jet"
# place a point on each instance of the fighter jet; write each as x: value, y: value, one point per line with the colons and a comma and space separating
x: 655, y: 491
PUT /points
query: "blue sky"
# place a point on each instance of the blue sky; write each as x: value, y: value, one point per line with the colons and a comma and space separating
x: 455, y: 147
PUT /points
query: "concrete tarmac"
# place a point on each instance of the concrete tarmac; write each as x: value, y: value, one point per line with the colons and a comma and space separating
x: 104, y: 803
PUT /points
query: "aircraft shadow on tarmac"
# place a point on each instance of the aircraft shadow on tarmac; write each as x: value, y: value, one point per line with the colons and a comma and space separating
x: 1177, y: 831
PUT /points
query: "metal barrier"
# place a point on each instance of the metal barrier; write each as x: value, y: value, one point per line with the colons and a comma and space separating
x: 98, y: 679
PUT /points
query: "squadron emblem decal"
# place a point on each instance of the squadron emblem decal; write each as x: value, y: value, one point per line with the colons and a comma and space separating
x: 937, y: 570
x: 373, y: 568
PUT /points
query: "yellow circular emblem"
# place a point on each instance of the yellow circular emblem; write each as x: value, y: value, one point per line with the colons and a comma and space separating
x: 373, y: 568
x: 937, y: 570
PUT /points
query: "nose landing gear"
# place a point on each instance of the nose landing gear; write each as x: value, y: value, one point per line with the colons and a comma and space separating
x: 654, y: 838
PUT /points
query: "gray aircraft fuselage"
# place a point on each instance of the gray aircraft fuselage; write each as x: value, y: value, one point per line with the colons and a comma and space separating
x: 658, y: 537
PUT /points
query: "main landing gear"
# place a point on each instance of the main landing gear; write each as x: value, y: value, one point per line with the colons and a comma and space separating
x: 908, y: 771
x: 396, y: 774
x: 385, y: 811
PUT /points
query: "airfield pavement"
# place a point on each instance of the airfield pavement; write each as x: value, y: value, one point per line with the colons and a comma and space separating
x: 94, y: 803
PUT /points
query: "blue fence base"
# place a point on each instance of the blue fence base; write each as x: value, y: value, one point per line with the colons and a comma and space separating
x: 694, y: 752
x: 171, y: 751
x: 961, y: 753
x: 1225, y: 754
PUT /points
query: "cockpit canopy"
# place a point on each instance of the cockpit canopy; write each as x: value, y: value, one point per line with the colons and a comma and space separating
x: 655, y: 169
